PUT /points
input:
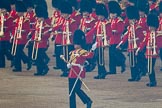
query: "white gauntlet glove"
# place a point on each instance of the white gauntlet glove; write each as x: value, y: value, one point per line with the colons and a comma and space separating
x: 69, y: 65
x: 94, y: 46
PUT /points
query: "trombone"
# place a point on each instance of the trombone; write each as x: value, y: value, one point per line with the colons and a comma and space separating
x: 17, y: 36
x: 37, y: 39
x: 2, y: 25
x: 132, y: 45
x: 66, y: 40
x: 151, y: 50
x: 101, y: 44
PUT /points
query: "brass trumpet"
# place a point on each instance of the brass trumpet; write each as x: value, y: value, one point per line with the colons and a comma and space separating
x: 17, y: 36
x: 2, y: 25
x: 37, y: 39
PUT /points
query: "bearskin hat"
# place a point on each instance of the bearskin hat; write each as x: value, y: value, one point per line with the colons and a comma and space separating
x: 85, y: 6
x: 153, y: 0
x: 66, y: 7
x: 20, y: 6
x: 73, y: 3
x: 41, y: 12
x: 160, y: 7
x: 133, y: 1
x: 12, y: 2
x: 5, y: 5
x: 79, y: 38
x: 101, y: 10
x: 29, y: 3
x: 43, y: 3
x: 152, y: 20
x: 143, y: 6
x: 56, y: 3
x: 132, y: 12
x: 114, y: 7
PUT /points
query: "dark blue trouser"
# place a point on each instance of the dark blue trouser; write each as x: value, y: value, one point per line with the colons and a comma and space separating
x: 77, y: 90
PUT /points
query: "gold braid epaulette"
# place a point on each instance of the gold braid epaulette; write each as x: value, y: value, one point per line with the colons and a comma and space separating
x: 119, y: 19
x: 73, y: 56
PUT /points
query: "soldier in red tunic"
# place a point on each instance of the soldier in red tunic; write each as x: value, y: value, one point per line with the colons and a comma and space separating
x: 55, y: 20
x: 77, y: 71
x: 102, y: 31
x: 134, y: 36
x: 116, y: 58
x: 6, y: 25
x: 152, y: 41
x: 30, y: 14
x: 20, y: 32
x: 160, y: 27
x: 86, y: 23
x: 65, y: 28
x: 40, y: 38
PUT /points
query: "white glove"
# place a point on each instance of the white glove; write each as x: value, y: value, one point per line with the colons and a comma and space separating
x: 94, y: 46
x: 69, y: 65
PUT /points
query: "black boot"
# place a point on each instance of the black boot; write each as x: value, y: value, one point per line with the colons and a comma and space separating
x: 151, y: 84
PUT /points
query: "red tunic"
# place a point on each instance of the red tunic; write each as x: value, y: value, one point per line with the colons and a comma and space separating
x: 23, y: 31
x: 8, y: 26
x: 117, y: 27
x: 43, y: 43
x: 152, y: 44
x: 78, y: 56
x: 100, y: 31
x: 85, y: 25
x: 134, y: 35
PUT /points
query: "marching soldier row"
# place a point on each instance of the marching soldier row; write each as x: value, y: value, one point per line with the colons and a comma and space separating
x: 104, y: 23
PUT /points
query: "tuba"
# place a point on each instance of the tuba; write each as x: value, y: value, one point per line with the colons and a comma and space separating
x: 2, y: 25
x: 37, y: 39
x: 17, y: 36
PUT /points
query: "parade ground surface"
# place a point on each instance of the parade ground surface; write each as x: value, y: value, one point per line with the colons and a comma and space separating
x: 23, y: 90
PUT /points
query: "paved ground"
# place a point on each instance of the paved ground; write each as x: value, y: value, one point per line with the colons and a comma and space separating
x: 23, y: 90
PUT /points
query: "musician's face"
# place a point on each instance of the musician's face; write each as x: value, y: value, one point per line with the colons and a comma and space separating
x: 77, y: 46
x: 152, y: 28
x: 65, y: 15
x: 142, y: 14
x: 85, y: 14
x: 4, y: 11
x: 20, y: 14
x: 113, y: 15
x: 100, y: 17
x: 131, y: 21
x: 40, y: 19
x: 30, y: 9
x: 160, y: 14
x: 13, y: 7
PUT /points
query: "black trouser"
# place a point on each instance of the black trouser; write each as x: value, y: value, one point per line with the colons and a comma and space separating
x: 40, y: 61
x: 92, y: 61
x: 58, y: 52
x: 65, y: 52
x: 99, y: 53
x: 116, y: 58
x: 142, y: 63
x: 20, y: 55
x: 77, y: 90
x: 4, y: 51
x: 30, y: 50
x: 133, y: 65
x: 152, y: 76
